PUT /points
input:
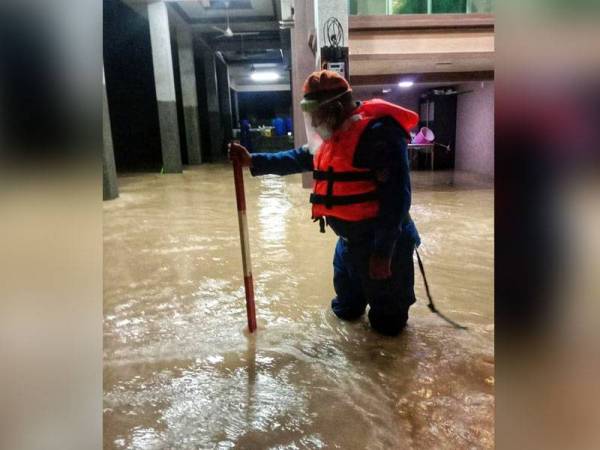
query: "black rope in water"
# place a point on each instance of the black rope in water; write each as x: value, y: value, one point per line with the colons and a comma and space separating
x: 431, y: 305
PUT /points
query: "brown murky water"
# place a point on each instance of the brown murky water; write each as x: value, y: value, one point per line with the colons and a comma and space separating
x: 180, y: 371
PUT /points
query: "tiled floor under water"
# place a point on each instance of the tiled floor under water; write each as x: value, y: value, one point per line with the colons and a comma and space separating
x: 180, y: 371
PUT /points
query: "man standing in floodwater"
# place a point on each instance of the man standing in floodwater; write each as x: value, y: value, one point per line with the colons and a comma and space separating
x: 357, y: 152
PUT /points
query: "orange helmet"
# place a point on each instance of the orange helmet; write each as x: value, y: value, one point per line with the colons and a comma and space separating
x: 321, y: 87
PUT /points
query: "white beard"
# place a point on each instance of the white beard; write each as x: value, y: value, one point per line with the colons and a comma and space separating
x: 324, y: 131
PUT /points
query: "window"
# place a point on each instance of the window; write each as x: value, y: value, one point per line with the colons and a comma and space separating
x: 448, y: 6
x: 385, y: 7
x: 482, y: 6
x: 409, y: 6
x: 368, y: 7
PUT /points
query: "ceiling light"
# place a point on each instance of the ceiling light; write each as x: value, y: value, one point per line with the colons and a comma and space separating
x: 406, y: 84
x: 264, y: 76
x: 386, y: 91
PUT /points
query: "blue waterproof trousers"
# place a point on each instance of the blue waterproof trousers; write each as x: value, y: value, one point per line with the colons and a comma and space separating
x: 389, y: 299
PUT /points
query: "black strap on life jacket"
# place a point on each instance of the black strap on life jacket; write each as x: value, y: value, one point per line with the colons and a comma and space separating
x: 341, y: 200
x: 330, y: 200
x: 322, y: 175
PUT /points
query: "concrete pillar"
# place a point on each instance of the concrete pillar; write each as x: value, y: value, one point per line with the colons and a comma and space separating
x: 187, y: 71
x: 109, y: 170
x: 303, y: 62
x: 324, y: 9
x: 164, y: 78
x: 215, y: 128
x: 309, y: 18
x: 224, y: 87
x: 235, y: 106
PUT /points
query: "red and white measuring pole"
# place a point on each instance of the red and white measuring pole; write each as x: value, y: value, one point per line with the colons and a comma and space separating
x: 240, y: 197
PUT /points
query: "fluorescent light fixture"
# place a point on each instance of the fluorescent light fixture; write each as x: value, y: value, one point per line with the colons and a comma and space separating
x: 264, y: 76
x: 406, y: 84
x: 386, y: 91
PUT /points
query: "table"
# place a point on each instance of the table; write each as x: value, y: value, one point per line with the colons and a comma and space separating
x: 427, y: 149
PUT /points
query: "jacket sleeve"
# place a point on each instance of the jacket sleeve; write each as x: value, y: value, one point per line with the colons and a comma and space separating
x: 383, y: 149
x: 282, y: 163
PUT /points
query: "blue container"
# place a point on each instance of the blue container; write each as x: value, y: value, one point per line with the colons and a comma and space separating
x: 279, y: 126
x: 246, y: 135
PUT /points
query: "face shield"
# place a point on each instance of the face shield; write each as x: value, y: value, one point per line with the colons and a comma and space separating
x: 316, y: 134
x: 314, y: 140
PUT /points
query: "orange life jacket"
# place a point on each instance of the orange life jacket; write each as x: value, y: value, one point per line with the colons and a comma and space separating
x: 340, y: 189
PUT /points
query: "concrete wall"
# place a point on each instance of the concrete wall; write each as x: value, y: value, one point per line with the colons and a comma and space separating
x: 407, y: 99
x: 397, y: 51
x: 130, y: 89
x: 475, y: 129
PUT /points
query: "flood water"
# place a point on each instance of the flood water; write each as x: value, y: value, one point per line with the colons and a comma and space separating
x: 181, y: 372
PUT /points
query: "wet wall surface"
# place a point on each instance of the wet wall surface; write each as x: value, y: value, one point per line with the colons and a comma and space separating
x: 180, y: 371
